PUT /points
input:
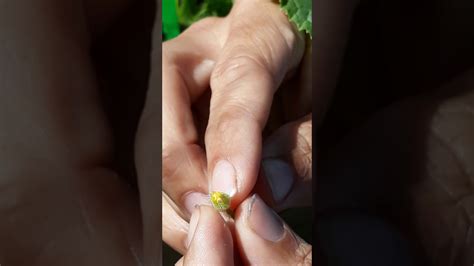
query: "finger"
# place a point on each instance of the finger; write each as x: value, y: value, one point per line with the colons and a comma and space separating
x: 209, y: 240
x: 258, y: 52
x: 285, y: 180
x: 436, y: 128
x: 183, y: 160
x: 264, y: 239
x: 175, y: 228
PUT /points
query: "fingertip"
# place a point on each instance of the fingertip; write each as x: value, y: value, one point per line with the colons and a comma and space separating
x: 264, y: 238
x: 280, y: 176
x: 263, y: 221
x: 193, y: 199
x: 287, y: 164
x: 235, y: 176
x: 224, y: 178
x: 210, y: 239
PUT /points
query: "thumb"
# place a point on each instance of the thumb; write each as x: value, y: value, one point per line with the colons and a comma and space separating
x: 264, y: 239
x: 286, y: 176
x: 209, y: 239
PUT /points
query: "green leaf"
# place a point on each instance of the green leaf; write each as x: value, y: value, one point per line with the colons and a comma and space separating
x: 300, y: 13
x: 170, y: 24
x: 190, y: 11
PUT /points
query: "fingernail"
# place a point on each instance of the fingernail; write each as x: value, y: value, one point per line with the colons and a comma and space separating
x: 193, y: 199
x: 264, y: 221
x: 280, y: 177
x: 192, y: 225
x: 224, y: 178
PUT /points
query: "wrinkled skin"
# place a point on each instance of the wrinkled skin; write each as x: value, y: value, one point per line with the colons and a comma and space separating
x: 412, y: 163
x: 66, y: 206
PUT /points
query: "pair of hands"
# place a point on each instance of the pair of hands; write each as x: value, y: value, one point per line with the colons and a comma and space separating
x: 256, y: 236
x: 219, y: 80
x: 62, y: 202
x: 418, y: 176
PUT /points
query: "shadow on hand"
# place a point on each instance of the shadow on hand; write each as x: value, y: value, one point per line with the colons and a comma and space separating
x: 405, y: 181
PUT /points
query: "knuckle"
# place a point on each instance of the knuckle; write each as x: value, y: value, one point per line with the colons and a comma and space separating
x: 177, y: 159
x: 237, y: 110
x: 243, y: 66
x: 446, y: 137
x: 305, y: 132
x: 302, y: 154
x: 235, y: 121
x: 304, y: 254
x: 170, y: 167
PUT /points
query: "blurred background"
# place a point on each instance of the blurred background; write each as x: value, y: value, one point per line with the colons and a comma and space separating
x: 398, y: 49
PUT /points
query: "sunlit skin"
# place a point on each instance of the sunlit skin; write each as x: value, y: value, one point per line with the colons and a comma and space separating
x: 61, y: 203
x: 198, y: 130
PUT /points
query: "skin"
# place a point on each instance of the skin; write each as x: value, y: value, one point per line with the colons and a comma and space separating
x: 214, y: 233
x: 426, y: 193
x: 243, y: 76
x: 60, y: 203
x: 80, y: 196
x: 58, y: 175
x: 239, y: 112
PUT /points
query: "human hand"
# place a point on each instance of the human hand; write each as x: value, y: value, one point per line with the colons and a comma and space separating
x: 261, y: 237
x: 289, y: 152
x: 411, y: 164
x: 243, y: 61
x: 61, y: 203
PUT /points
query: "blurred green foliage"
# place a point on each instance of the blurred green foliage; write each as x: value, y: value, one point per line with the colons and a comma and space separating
x: 179, y: 14
x: 170, y: 23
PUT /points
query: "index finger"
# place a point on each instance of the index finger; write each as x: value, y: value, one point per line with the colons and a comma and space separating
x: 257, y: 54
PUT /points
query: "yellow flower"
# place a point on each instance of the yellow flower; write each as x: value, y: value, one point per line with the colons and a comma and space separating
x: 220, y: 200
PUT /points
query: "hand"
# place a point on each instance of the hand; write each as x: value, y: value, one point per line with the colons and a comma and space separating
x: 286, y: 182
x: 243, y: 61
x: 412, y: 165
x: 60, y: 202
x: 286, y: 177
x: 261, y: 237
